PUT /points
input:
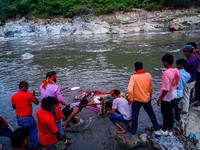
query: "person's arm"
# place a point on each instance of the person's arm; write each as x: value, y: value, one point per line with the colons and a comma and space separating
x: 59, y: 135
x: 130, y: 90
x: 13, y: 106
x: 60, y: 97
x: 164, y: 92
x: 196, y: 54
x: 35, y: 100
x: 112, y: 112
x: 75, y: 111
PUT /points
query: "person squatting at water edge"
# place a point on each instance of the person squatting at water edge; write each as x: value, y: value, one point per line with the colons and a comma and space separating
x: 168, y: 95
x: 184, y: 78
x: 120, y: 104
x: 50, y: 88
x: 22, y: 102
x: 20, y: 138
x: 139, y: 93
x: 191, y: 67
x: 48, y: 130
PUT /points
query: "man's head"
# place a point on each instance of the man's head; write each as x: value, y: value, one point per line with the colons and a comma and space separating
x: 167, y: 60
x: 181, y: 63
x: 23, y: 86
x: 20, y: 138
x: 138, y: 65
x: 187, y: 50
x: 52, y: 75
x: 48, y: 103
x: 116, y: 93
x: 193, y: 44
x: 84, y: 103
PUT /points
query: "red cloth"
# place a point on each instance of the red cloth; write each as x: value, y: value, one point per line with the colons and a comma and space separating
x: 140, y: 72
x: 48, y: 80
x: 47, y: 127
x: 3, y: 122
x: 22, y: 102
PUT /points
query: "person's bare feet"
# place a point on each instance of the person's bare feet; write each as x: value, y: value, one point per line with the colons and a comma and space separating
x: 121, y: 131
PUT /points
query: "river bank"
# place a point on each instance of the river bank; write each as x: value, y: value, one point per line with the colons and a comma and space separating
x: 135, y: 21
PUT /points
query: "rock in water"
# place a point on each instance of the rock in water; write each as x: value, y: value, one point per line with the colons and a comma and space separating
x: 26, y: 56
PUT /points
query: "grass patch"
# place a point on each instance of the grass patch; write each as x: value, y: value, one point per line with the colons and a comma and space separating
x: 186, y: 14
x: 165, y: 20
x: 113, y: 22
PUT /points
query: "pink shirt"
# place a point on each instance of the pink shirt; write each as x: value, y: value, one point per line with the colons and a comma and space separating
x: 52, y: 90
x: 170, y: 83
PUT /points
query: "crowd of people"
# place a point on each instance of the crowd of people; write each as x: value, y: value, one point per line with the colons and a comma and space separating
x: 177, y: 83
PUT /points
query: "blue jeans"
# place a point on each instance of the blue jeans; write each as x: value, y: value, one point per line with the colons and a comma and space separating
x: 135, y: 112
x: 32, y: 126
x: 4, y: 131
x: 118, y: 117
x: 58, y: 123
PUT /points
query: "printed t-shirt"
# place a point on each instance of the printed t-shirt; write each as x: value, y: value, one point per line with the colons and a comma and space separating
x: 47, y: 127
x: 191, y: 67
x: 121, y: 104
x: 52, y: 90
x: 140, y: 87
x: 170, y: 83
x: 184, y: 78
x: 22, y: 101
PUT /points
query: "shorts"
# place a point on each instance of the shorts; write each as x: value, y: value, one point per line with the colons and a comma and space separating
x: 67, y: 113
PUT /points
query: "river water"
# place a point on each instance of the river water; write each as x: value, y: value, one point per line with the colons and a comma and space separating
x: 91, y: 62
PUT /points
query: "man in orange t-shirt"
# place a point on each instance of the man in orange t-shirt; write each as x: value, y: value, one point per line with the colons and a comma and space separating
x: 21, y: 101
x: 139, y: 93
x: 48, y: 130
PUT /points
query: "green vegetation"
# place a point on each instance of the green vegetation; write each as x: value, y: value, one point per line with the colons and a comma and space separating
x: 70, y: 8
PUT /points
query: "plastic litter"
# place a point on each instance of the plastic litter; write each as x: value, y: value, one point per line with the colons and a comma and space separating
x: 193, y: 137
x: 75, y: 88
x: 26, y: 56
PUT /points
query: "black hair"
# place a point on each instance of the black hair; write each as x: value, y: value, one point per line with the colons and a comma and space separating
x: 50, y: 74
x: 48, y: 102
x: 116, y: 92
x: 19, y: 136
x: 181, y: 62
x: 193, y: 44
x: 84, y: 101
x: 168, y: 58
x: 138, y: 65
x: 23, y: 84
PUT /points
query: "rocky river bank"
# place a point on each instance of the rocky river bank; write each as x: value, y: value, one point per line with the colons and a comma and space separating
x: 134, y: 21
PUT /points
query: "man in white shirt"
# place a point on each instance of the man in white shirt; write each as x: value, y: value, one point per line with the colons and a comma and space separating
x: 125, y: 112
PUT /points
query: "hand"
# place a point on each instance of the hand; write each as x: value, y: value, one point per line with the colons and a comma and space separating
x: 64, y: 129
x: 67, y: 144
x: 129, y: 102
x: 158, y: 102
x: 34, y: 92
x: 65, y: 104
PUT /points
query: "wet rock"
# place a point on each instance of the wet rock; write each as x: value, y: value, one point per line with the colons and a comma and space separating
x: 166, y: 143
x: 174, y: 26
x: 1, y: 146
x: 127, y: 138
x: 191, y: 122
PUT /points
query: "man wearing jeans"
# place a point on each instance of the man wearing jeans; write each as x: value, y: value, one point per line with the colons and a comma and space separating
x: 120, y: 104
x: 21, y: 101
x: 139, y: 93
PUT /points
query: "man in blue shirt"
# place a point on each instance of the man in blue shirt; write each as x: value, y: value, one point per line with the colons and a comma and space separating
x: 184, y: 78
x: 191, y: 67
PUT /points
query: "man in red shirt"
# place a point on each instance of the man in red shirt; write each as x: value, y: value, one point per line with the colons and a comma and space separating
x: 48, y: 131
x: 22, y: 102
